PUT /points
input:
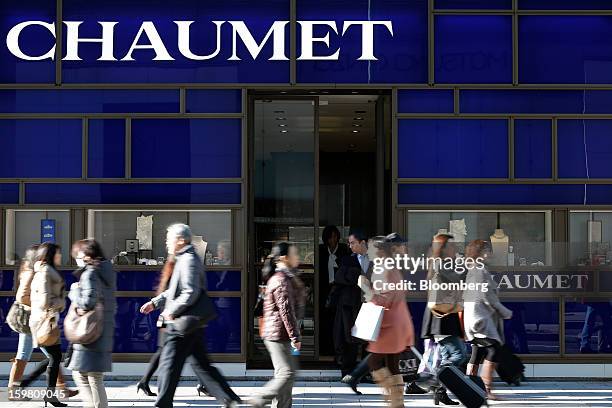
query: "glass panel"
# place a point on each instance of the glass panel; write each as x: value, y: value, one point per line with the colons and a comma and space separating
x: 453, y: 148
x: 189, y: 147
x: 132, y: 193
x: 223, y: 280
x: 588, y: 326
x: 534, y: 327
x: 473, y: 4
x: 565, y: 49
x: 532, y: 148
x: 7, y: 280
x: 590, y: 238
x: 40, y: 148
x: 425, y: 101
x: 402, y: 58
x: 223, y: 333
x: 523, y: 194
x: 9, y: 193
x: 473, y: 49
x: 528, y: 233
x: 106, y: 148
x: 89, y: 101
x: 113, y: 228
x: 8, y: 338
x: 258, y: 17
x: 584, y: 148
x: 564, y: 5
x: 25, y: 228
x: 533, y: 101
x: 214, y: 100
x: 134, y: 332
x: 33, y: 41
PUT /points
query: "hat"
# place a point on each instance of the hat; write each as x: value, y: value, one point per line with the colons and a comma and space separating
x: 395, y: 238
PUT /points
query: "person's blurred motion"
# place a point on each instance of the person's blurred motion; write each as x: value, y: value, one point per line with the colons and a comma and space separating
x: 348, y: 300
x: 48, y: 299
x: 397, y: 331
x: 331, y: 252
x: 483, y: 318
x: 96, y: 284
x: 603, y: 310
x: 283, y: 307
x: 444, y: 326
x: 186, y: 288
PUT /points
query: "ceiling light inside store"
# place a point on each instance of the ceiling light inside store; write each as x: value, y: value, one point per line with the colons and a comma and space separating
x: 358, y: 118
x: 284, y: 131
x: 355, y: 131
x: 282, y: 125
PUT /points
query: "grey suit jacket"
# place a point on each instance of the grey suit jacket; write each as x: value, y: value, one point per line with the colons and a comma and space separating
x: 187, y: 281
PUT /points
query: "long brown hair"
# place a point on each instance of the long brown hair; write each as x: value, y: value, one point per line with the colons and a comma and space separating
x: 165, y: 275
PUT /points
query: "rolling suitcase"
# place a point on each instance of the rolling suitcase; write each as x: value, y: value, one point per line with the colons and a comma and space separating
x: 466, y: 389
x: 509, y: 366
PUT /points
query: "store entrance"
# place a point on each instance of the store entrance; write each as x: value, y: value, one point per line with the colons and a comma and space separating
x: 317, y: 159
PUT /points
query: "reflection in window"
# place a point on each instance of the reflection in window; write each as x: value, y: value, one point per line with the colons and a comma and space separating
x: 139, y: 237
x: 534, y: 327
x: 588, y: 326
x: 29, y: 227
x: 525, y: 235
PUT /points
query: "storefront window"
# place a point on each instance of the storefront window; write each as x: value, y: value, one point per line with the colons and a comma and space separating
x: 518, y: 238
x: 590, y: 236
x: 139, y: 237
x: 588, y: 326
x: 28, y: 227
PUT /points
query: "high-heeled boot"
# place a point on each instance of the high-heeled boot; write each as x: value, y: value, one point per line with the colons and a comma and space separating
x: 53, y: 400
x: 396, y: 389
x: 61, y: 384
x: 15, y: 375
x: 353, y: 379
x: 440, y: 396
x: 382, y: 377
x: 488, y: 369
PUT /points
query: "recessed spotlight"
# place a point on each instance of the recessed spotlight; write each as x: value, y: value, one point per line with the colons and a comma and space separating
x: 356, y: 125
x: 282, y: 125
x: 354, y: 92
x: 281, y: 118
x: 355, y: 131
x: 312, y: 92
x: 283, y: 92
x: 325, y: 92
x: 358, y: 118
x: 284, y: 131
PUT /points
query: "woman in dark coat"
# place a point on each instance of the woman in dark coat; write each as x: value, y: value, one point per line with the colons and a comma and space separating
x: 96, y: 283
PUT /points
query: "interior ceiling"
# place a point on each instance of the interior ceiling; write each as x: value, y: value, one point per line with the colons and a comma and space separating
x: 346, y: 124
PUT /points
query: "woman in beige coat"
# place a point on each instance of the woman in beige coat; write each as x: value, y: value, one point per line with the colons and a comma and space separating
x: 47, y: 297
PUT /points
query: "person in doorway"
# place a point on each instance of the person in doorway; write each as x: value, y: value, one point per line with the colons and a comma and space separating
x: 48, y: 298
x: 283, y: 307
x: 349, y: 300
x: 96, y: 283
x: 186, y: 285
x: 483, y: 318
x: 331, y: 252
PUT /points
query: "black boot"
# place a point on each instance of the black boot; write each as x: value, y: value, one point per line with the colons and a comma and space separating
x: 440, y: 395
x: 353, y: 379
x: 413, y: 388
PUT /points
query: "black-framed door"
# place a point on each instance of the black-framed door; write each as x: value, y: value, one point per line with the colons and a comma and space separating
x: 283, y: 202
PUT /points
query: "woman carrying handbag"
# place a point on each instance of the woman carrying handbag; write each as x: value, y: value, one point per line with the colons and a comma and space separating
x: 95, y: 288
x: 48, y: 301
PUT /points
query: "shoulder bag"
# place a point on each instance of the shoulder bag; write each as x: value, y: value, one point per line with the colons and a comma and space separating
x: 47, y: 331
x: 18, y: 318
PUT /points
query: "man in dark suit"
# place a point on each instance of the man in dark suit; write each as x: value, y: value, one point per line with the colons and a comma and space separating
x: 331, y: 252
x: 349, y: 300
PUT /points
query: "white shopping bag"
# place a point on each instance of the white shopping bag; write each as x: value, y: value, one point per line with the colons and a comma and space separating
x: 369, y: 320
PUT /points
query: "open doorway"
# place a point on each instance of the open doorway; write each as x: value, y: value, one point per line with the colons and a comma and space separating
x: 317, y: 159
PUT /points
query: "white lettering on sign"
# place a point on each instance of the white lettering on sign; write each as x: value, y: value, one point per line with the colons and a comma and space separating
x: 149, y: 38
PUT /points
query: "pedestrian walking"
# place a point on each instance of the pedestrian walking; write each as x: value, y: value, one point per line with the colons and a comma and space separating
x: 185, y: 325
x: 283, y: 308
x: 441, y: 322
x: 96, y: 284
x: 396, y: 332
x: 48, y: 299
x: 483, y: 318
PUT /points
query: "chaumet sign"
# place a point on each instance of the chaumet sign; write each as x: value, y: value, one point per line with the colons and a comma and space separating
x: 148, y: 38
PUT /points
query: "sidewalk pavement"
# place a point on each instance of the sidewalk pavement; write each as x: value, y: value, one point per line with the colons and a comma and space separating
x: 332, y: 394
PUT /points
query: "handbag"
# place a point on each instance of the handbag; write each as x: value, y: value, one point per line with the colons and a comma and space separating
x: 18, y: 318
x: 368, y: 322
x: 444, y: 302
x: 196, y: 315
x: 84, y: 327
x: 47, y: 332
x: 408, y: 365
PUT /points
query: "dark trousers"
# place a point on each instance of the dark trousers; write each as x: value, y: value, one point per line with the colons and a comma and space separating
x: 349, y: 357
x: 51, y: 365
x: 175, y: 352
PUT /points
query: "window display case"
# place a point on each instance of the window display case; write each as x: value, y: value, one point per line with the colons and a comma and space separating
x: 518, y: 238
x: 590, y: 238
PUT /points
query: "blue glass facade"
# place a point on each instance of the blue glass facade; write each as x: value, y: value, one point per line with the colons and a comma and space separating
x: 492, y: 107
